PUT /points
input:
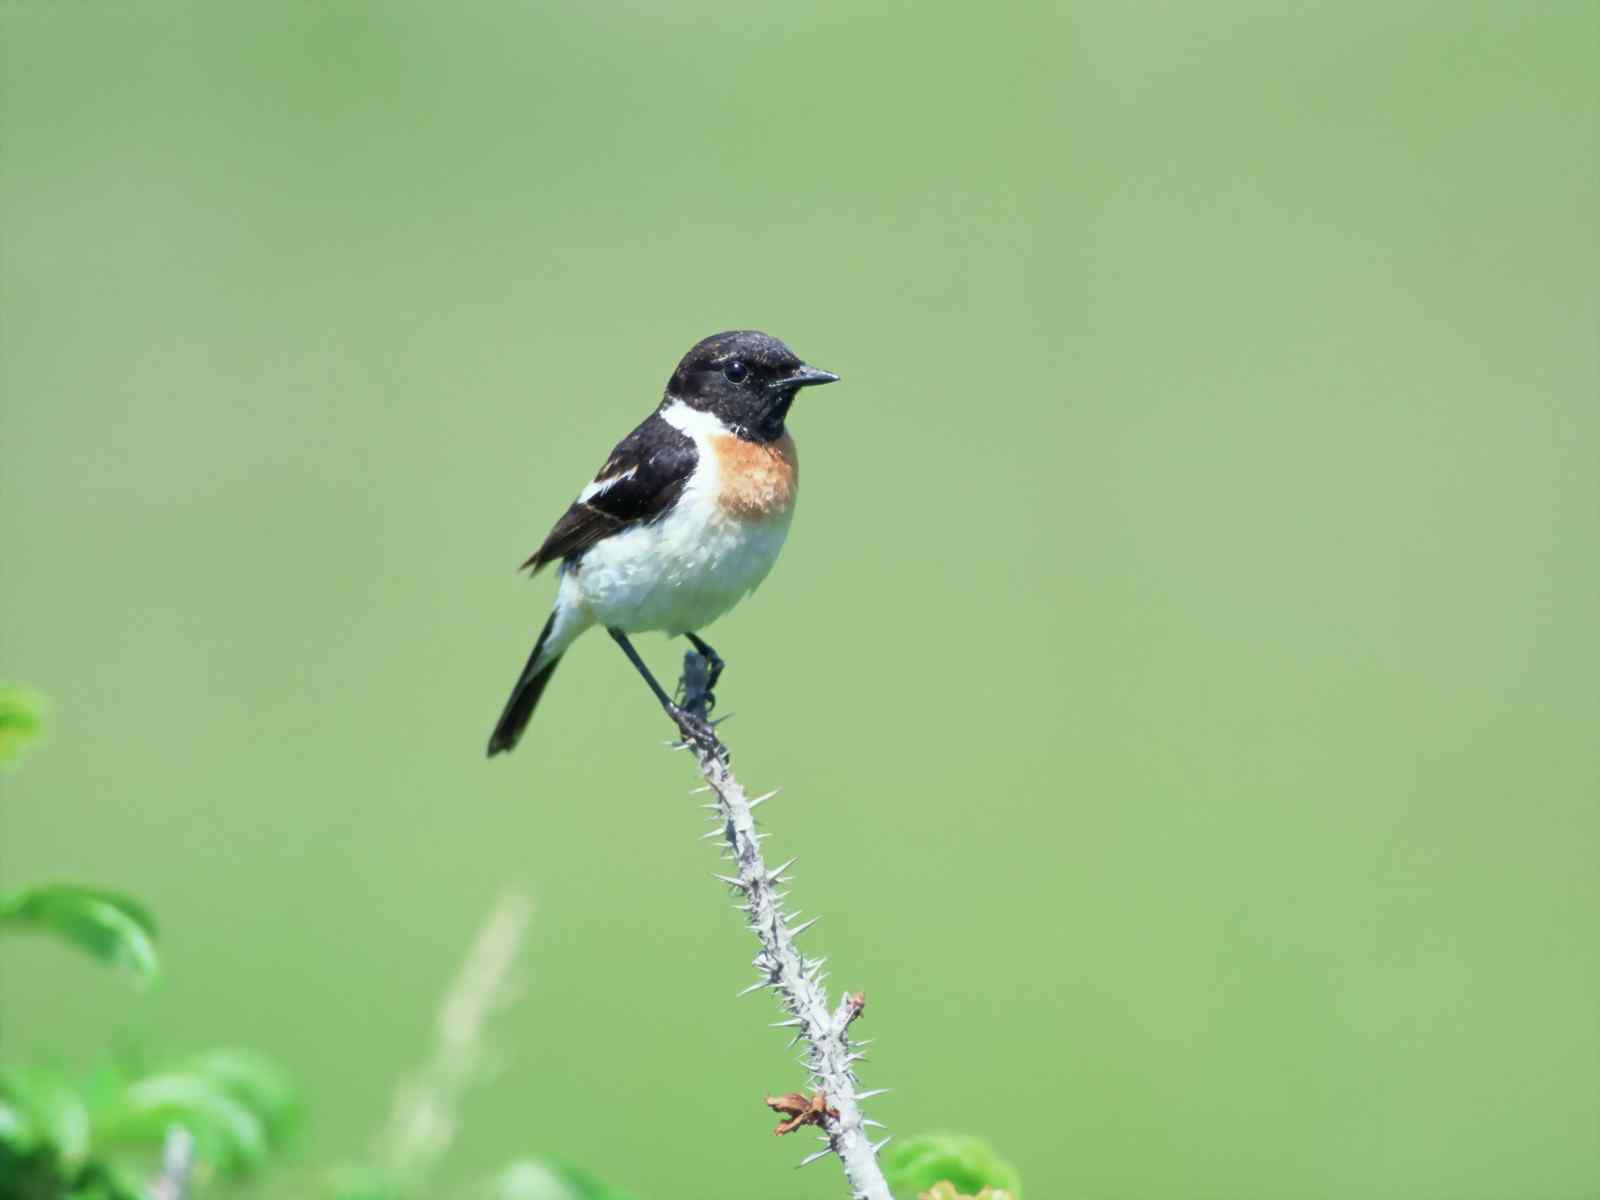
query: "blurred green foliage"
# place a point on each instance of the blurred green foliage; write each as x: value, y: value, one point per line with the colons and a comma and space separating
x: 235, y: 1105
x: 21, y: 713
x: 1180, y: 673
x: 113, y: 928
x: 533, y: 1178
x: 93, y: 1137
x: 66, y: 1135
x: 913, y: 1165
x: 549, y: 1179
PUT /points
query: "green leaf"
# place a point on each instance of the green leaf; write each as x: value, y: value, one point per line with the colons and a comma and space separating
x: 101, y: 1182
x: 17, y: 1130
x: 549, y: 1179
x: 256, y: 1082
x: 227, y: 1135
x: 51, y: 1114
x: 21, y: 716
x: 114, y: 928
x: 913, y: 1165
x: 29, y: 1176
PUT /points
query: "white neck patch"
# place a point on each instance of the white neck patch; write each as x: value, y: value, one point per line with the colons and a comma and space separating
x: 697, y: 423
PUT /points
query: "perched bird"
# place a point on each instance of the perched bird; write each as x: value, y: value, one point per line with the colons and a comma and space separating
x: 682, y: 522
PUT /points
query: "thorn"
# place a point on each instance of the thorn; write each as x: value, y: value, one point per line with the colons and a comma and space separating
x: 760, y: 800
x: 811, y: 1158
x: 701, y: 790
x: 862, y: 1044
x: 798, y: 930
x: 796, y: 1040
x: 732, y: 881
x: 789, y: 1024
x: 755, y: 987
x: 758, y: 838
x: 869, y: 1123
x: 876, y: 1146
x: 713, y: 806
x: 779, y: 897
x: 773, y: 874
x: 854, y: 1058
x: 715, y: 833
x: 874, y: 1092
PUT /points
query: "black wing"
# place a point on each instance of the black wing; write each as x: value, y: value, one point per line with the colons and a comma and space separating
x: 641, y: 481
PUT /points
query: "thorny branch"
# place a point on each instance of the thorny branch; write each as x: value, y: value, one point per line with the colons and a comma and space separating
x: 835, y: 1106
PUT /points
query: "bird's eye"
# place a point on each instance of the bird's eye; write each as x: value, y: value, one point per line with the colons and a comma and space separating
x: 735, y: 371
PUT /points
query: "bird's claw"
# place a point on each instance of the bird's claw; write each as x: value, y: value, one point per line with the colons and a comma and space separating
x: 696, y: 730
x: 694, y: 699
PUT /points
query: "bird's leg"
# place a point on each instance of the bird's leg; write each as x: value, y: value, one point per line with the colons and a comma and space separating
x: 713, y: 668
x: 638, y: 664
x: 693, y: 726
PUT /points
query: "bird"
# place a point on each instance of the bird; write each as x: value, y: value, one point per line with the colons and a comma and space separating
x: 683, y: 520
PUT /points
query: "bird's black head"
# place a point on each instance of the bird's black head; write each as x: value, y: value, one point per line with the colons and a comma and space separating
x: 747, y: 379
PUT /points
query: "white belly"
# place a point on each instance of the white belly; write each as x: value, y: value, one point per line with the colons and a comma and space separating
x: 681, y: 573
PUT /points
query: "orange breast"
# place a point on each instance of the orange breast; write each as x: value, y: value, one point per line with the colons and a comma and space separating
x: 758, y: 480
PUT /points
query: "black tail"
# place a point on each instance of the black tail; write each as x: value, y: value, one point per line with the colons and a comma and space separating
x: 530, y: 686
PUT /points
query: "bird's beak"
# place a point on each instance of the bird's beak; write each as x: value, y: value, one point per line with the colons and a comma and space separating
x: 803, y: 376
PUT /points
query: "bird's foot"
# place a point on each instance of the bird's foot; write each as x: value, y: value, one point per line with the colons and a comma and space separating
x: 700, y: 674
x: 697, y: 731
x: 695, y: 698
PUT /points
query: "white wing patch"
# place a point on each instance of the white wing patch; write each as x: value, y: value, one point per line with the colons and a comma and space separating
x: 604, y: 483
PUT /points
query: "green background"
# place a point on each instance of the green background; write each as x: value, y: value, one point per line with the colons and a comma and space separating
x: 1182, y: 671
